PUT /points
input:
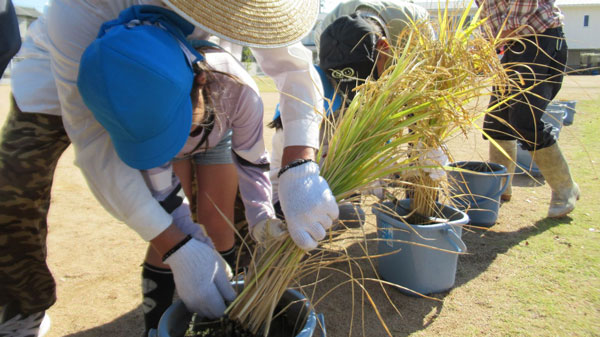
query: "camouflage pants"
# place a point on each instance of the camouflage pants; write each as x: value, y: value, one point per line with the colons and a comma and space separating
x: 30, y: 147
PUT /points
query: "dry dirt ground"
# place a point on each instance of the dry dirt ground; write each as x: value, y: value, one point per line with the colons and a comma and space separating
x: 96, y: 259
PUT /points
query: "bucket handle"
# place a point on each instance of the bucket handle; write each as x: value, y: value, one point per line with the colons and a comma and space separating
x: 321, y: 319
x: 456, y: 241
x: 503, y: 188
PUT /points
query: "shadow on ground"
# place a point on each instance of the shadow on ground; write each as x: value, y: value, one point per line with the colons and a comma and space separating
x: 413, y: 313
x: 127, y: 325
x: 524, y: 180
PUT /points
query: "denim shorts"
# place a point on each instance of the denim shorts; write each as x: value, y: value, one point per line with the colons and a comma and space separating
x: 220, y: 154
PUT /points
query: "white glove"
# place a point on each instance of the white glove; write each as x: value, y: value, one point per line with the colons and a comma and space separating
x: 182, y: 218
x: 201, y: 279
x: 273, y: 228
x: 434, y: 157
x: 307, y: 203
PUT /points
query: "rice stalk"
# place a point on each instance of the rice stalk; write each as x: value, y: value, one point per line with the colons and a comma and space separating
x: 420, y: 99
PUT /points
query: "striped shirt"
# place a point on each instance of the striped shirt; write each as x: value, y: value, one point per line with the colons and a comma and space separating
x: 527, y: 17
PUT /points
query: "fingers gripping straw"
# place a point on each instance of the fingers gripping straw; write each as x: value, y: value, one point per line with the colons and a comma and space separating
x: 308, y: 204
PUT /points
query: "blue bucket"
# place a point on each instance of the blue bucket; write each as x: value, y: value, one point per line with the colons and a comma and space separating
x: 525, y: 164
x: 478, y: 193
x: 175, y: 320
x: 570, y: 115
x: 555, y: 115
x: 411, y: 258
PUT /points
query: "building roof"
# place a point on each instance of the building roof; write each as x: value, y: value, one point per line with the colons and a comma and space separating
x: 27, y: 12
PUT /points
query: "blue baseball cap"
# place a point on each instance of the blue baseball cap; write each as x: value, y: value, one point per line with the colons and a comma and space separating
x: 136, y: 80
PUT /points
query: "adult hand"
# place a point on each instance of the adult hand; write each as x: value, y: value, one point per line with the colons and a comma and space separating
x: 308, y: 204
x: 268, y: 228
x: 201, y: 278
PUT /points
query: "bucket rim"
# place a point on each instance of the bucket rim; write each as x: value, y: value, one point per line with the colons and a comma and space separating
x: 179, y: 308
x: 463, y: 220
x: 497, y: 169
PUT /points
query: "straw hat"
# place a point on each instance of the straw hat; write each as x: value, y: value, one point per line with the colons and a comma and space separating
x: 252, y: 23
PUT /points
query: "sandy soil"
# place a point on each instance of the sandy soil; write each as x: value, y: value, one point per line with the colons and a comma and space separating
x: 96, y: 259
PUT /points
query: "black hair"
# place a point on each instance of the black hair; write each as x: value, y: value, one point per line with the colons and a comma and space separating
x: 209, y: 118
x: 276, y: 124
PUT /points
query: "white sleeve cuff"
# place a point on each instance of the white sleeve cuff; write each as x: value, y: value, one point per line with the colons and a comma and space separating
x: 302, y: 132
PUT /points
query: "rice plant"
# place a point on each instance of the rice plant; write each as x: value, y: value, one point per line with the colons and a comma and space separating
x: 416, y: 104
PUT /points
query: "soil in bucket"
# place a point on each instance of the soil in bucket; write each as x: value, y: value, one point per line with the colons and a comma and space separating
x: 226, y: 327
x: 414, y: 218
x: 283, y: 325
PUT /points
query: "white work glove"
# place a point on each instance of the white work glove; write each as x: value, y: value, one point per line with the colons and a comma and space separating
x: 182, y: 218
x: 268, y: 228
x: 201, y: 279
x: 307, y: 203
x: 434, y: 157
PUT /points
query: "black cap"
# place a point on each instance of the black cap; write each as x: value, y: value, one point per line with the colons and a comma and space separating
x: 347, y: 51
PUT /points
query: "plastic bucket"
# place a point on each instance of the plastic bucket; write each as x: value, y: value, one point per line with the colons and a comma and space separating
x: 570, y: 109
x: 175, y: 320
x: 478, y: 193
x: 525, y: 164
x: 424, y: 270
x: 555, y: 115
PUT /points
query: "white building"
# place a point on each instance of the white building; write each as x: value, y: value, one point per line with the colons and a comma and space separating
x: 26, y: 16
x: 582, y: 30
x: 581, y: 27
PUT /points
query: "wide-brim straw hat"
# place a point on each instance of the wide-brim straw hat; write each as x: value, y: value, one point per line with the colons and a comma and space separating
x: 251, y: 23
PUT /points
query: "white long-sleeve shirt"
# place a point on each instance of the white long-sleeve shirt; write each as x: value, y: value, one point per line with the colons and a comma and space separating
x: 32, y: 83
x: 72, y: 26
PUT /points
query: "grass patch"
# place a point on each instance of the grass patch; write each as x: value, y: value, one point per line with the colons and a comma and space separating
x: 545, y: 279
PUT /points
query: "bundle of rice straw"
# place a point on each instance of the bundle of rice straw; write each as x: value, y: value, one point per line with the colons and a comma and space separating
x: 425, y: 90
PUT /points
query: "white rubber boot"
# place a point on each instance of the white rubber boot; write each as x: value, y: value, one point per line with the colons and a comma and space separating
x: 510, y: 147
x: 555, y: 170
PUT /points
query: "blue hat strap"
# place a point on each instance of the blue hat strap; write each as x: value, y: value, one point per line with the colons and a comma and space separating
x: 160, y: 17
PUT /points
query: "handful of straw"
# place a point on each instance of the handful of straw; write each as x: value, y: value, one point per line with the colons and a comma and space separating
x: 425, y: 90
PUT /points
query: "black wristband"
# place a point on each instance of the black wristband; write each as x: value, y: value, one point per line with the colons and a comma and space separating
x: 176, y: 247
x: 293, y: 163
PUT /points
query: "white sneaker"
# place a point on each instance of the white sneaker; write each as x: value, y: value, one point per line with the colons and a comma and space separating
x: 34, y: 325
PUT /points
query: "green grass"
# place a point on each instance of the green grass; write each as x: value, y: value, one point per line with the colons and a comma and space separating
x: 546, y: 275
x: 529, y: 276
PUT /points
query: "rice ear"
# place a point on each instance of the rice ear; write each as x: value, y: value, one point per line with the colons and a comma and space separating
x: 423, y: 97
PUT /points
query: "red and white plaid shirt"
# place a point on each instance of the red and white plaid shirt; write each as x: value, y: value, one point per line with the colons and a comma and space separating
x: 526, y: 16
